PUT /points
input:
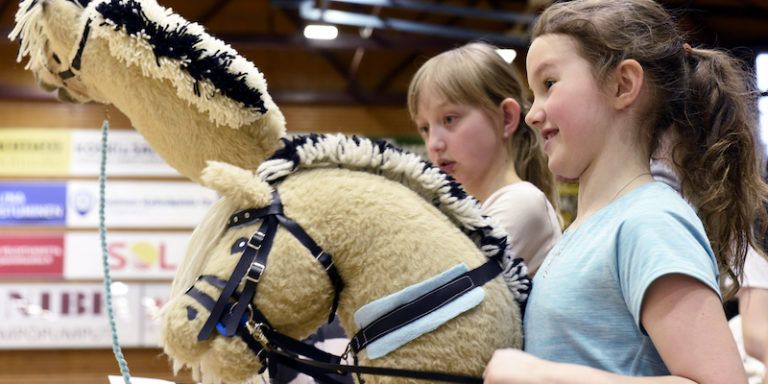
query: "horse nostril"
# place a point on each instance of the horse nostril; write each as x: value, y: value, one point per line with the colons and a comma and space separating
x: 56, y: 58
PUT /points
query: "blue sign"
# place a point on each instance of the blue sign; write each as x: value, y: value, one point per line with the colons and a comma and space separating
x: 33, y: 204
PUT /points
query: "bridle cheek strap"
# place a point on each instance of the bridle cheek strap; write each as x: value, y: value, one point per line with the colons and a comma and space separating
x: 231, y: 320
x: 248, y: 263
x: 65, y: 75
x: 253, y: 261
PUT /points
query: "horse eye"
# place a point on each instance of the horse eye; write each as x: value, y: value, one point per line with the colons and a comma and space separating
x: 56, y: 59
x: 239, y: 245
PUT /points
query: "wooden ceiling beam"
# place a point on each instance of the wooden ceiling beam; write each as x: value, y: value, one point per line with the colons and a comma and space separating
x: 353, y: 88
x: 408, y: 61
x: 4, y: 5
x: 35, y: 94
x: 212, y: 11
x: 297, y: 42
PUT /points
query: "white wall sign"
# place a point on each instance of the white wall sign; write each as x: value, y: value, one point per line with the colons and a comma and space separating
x: 138, y: 204
x: 128, y: 154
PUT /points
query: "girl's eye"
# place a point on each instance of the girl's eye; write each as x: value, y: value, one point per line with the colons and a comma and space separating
x: 450, y: 119
x: 549, y: 83
x: 423, y: 131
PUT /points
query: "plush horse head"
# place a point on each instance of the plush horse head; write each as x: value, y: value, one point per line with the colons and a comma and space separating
x: 190, y: 95
x: 388, y: 220
x: 383, y: 226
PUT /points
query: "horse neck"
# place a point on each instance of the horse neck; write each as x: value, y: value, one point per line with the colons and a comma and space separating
x: 185, y: 131
x: 382, y: 236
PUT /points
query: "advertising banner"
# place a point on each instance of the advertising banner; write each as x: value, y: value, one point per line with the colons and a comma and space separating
x: 31, y: 256
x: 131, y: 255
x: 128, y: 154
x: 34, y: 152
x: 66, y: 315
x: 74, y: 315
x: 154, y: 296
x: 32, y: 204
x: 138, y: 204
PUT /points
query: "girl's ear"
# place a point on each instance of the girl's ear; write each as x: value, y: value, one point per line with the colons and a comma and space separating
x: 629, y: 82
x: 510, y: 108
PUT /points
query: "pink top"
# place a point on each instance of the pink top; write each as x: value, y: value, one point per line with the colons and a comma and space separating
x: 530, y: 220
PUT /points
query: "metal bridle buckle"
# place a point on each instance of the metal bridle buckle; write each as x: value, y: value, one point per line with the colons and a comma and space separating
x: 256, y: 269
x: 260, y: 238
x: 257, y: 331
x: 345, y: 355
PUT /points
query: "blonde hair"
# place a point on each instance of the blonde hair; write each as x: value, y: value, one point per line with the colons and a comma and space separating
x: 705, y: 97
x: 474, y: 74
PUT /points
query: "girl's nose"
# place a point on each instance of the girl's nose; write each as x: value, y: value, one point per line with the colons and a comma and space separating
x: 535, y: 117
x: 435, y: 141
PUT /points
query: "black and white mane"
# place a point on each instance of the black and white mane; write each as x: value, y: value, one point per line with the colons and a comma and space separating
x: 381, y: 158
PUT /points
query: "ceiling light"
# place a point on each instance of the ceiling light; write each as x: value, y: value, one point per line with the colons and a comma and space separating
x: 507, y: 54
x: 320, y: 32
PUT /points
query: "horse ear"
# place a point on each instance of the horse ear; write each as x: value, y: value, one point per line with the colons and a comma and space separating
x: 241, y: 186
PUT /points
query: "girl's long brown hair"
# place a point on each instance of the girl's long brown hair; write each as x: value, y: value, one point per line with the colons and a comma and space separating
x: 705, y: 97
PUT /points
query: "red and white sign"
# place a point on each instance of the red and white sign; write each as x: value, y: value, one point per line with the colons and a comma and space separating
x: 31, y: 256
x: 153, y: 298
x: 65, y: 315
x: 130, y: 255
x: 74, y: 315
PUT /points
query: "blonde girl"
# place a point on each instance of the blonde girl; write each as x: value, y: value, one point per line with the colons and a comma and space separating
x: 631, y: 292
x: 468, y: 105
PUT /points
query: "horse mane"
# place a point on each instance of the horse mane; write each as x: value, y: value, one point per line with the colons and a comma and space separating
x: 384, y: 159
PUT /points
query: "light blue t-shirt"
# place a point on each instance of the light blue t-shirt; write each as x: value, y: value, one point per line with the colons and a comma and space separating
x: 585, y: 304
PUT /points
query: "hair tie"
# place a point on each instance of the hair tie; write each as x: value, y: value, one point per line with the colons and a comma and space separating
x: 687, y: 48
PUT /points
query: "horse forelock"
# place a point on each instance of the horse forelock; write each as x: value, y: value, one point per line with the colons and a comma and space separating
x: 29, y: 30
x: 410, y: 170
x: 48, y: 58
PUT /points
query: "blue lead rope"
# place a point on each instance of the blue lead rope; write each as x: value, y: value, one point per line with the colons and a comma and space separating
x: 103, y: 236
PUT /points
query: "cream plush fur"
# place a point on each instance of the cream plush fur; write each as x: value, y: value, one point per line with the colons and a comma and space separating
x: 388, y: 220
x: 383, y: 237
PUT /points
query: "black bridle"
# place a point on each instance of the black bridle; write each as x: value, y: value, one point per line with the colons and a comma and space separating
x: 77, y: 60
x: 253, y: 261
x: 234, y: 315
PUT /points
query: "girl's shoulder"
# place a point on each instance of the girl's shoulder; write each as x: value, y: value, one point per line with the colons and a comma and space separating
x: 653, y: 197
x: 521, y: 190
x: 521, y: 201
x: 655, y: 203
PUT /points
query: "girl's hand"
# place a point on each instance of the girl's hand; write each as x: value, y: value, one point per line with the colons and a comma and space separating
x: 513, y: 366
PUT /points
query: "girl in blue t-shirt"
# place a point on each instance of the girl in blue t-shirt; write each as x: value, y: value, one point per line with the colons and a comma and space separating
x: 632, y: 288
